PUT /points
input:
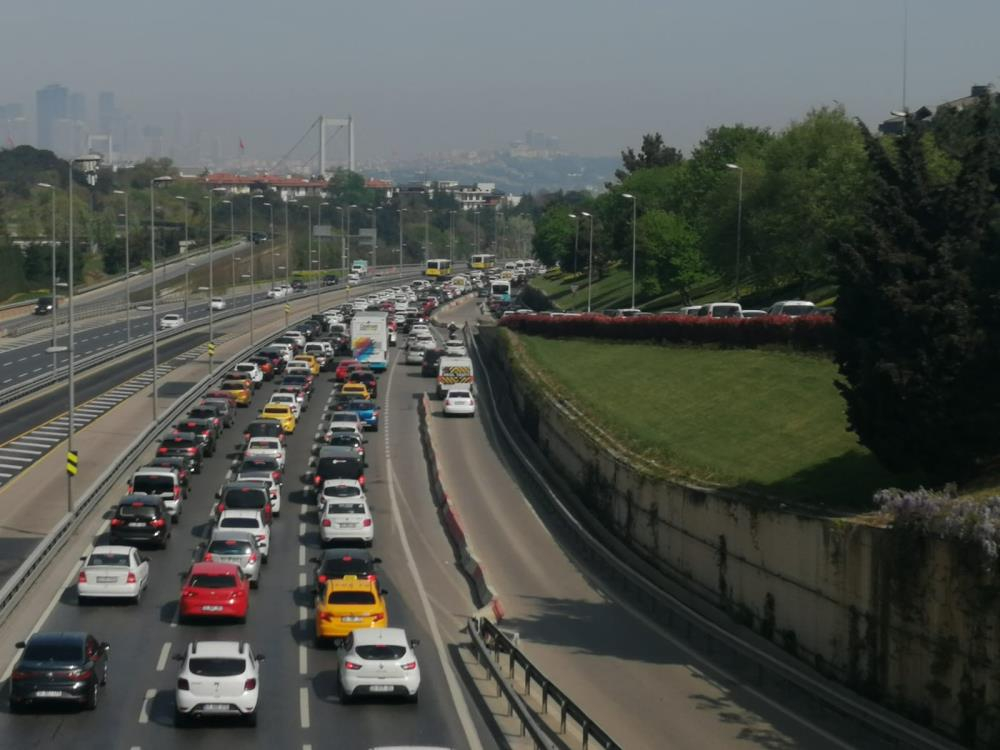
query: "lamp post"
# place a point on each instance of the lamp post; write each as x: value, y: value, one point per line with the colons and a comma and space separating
x: 739, y: 224
x: 635, y: 201
x: 576, y: 243
x: 128, y: 293
x: 152, y: 255
x: 232, y: 238
x: 590, y: 261
x: 374, y: 233
x: 211, y: 275
x: 288, y: 243
x: 347, y: 260
x: 427, y: 231
x: 451, y: 230
x: 271, y: 208
x: 309, y: 251
x: 55, y: 355
x: 475, y: 250
x: 253, y: 197
x: 319, y: 253
x: 186, y: 246
x: 401, y: 211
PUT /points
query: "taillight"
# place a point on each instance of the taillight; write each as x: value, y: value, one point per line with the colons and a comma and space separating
x: 192, y: 450
x: 253, y: 558
x: 322, y: 579
x: 275, y: 475
x: 361, y: 480
x: 447, y: 402
x: 20, y: 675
x: 352, y: 665
x: 182, y: 684
x: 250, y: 684
x: 130, y: 578
x: 159, y: 523
x: 80, y: 674
x: 367, y: 522
x: 220, y: 507
x: 130, y: 486
x: 82, y: 578
x: 326, y: 523
x: 378, y: 616
x: 260, y: 537
x: 409, y: 666
x: 326, y: 617
x: 116, y: 522
x: 317, y: 479
x: 177, y: 493
x: 162, y: 450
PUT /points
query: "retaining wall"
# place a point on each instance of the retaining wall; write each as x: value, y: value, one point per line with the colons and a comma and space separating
x: 911, y: 622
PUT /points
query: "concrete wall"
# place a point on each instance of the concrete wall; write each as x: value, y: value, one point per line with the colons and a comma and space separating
x: 909, y: 621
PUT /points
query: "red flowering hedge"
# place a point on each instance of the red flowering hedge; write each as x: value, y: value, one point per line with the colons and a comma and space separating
x: 814, y: 332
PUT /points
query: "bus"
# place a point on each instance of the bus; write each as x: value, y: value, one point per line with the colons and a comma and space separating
x: 437, y: 267
x: 482, y: 262
x: 500, y: 290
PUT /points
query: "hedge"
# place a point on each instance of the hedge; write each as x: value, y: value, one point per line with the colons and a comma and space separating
x: 810, y: 332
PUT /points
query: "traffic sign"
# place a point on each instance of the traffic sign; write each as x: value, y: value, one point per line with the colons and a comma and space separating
x: 211, y: 348
x: 288, y: 308
x: 72, y: 459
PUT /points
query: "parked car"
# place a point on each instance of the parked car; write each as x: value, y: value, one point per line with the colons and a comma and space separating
x: 792, y: 307
x: 721, y: 310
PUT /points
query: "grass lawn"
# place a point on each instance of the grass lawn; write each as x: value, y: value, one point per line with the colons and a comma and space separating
x: 756, y: 420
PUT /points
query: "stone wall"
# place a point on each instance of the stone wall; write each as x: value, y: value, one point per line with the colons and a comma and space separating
x: 908, y: 621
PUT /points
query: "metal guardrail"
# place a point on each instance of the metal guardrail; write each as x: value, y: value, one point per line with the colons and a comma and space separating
x: 635, y: 574
x: 489, y: 642
x: 38, y: 560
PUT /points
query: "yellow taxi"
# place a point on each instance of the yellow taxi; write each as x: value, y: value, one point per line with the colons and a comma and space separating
x: 281, y: 413
x: 239, y: 390
x: 355, y: 389
x: 235, y: 375
x: 309, y: 360
x: 348, y: 604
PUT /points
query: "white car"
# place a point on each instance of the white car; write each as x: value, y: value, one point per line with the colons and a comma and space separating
x: 112, y: 571
x: 415, y: 353
x: 345, y: 518
x: 296, y: 336
x: 351, y: 428
x: 275, y: 292
x: 171, y: 320
x: 288, y: 399
x: 378, y: 661
x: 459, y: 402
x: 298, y: 367
x: 248, y: 520
x: 217, y: 303
x: 217, y: 678
x: 455, y: 349
x: 265, y: 447
x: 252, y: 371
x: 341, y: 489
x: 353, y: 279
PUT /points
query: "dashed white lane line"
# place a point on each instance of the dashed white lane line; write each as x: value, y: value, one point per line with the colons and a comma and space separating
x: 303, y: 651
x: 144, y: 711
x: 304, y: 707
x: 302, y: 553
x: 164, y: 655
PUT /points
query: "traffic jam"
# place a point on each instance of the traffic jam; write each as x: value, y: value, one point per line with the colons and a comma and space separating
x: 348, y: 347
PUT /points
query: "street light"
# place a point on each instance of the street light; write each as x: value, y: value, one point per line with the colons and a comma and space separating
x: 152, y: 255
x: 288, y: 264
x: 475, y: 212
x: 211, y: 273
x: 451, y: 230
x: 739, y: 224
x: 272, y: 240
x: 253, y: 197
x: 590, y: 261
x: 55, y: 356
x: 635, y: 201
x: 186, y: 246
x: 427, y: 231
x: 128, y: 294
x: 401, y: 211
x: 309, y: 210
x: 232, y: 238
x: 576, y: 243
x: 319, y: 252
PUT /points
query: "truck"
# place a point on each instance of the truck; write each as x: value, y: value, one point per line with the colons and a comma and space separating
x: 370, y: 339
x: 360, y: 267
x: 453, y: 371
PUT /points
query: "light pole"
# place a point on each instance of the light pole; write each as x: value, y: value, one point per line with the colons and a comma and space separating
x: 347, y: 260
x: 253, y: 197
x: 288, y: 265
x: 401, y: 211
x: 451, y: 230
x: 309, y: 240
x: 152, y: 256
x: 55, y: 355
x: 211, y: 276
x: 576, y: 242
x: 186, y: 246
x: 236, y: 259
x: 739, y: 224
x: 635, y: 201
x: 319, y: 253
x: 374, y: 233
x: 232, y: 238
x: 128, y: 293
x: 590, y: 261
x: 475, y: 250
x: 271, y: 208
x: 427, y: 231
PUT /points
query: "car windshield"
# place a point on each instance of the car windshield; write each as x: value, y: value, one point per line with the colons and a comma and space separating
x: 216, y: 666
x: 381, y: 652
x: 459, y: 394
x: 259, y: 464
x: 244, y: 498
x: 56, y: 652
x: 351, y: 597
x: 213, y: 581
x: 342, y: 491
x: 230, y: 547
x: 271, y: 445
x: 342, y: 468
x: 798, y: 309
x: 108, y: 558
x: 264, y: 429
x: 153, y: 485
x: 233, y: 385
x: 143, y: 512
x: 239, y: 523
x: 345, y: 508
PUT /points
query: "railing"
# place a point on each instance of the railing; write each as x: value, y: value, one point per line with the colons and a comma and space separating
x: 489, y: 643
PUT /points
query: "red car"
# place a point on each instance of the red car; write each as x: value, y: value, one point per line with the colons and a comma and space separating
x: 344, y: 367
x: 215, y: 590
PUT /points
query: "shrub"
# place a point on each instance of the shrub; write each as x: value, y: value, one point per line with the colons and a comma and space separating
x: 811, y: 332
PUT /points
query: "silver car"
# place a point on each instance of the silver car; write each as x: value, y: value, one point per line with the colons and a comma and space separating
x: 236, y: 547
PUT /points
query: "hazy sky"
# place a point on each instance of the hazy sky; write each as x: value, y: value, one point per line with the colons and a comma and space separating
x: 428, y: 75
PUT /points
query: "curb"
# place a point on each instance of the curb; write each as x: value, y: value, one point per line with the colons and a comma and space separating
x: 489, y: 604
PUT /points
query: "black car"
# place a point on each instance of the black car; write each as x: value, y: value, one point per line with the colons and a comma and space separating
x: 183, y: 444
x: 337, y: 462
x: 330, y: 280
x: 44, y: 306
x: 212, y: 413
x: 300, y: 381
x: 338, y: 562
x: 263, y: 428
x: 429, y: 365
x: 243, y: 496
x: 140, y: 519
x: 225, y: 407
x: 180, y: 464
x: 64, y: 667
x: 260, y: 464
x: 368, y: 378
x: 298, y: 285
x: 202, y: 429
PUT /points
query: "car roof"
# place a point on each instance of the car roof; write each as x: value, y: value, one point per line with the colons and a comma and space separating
x: 235, y: 534
x: 337, y: 451
x: 355, y: 553
x: 351, y: 583
x: 75, y: 637
x: 241, y: 513
x: 217, y: 648
x: 161, y: 471
x: 388, y: 636
x: 214, y: 568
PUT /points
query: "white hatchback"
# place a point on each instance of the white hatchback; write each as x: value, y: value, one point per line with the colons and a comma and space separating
x: 248, y: 520
x: 112, y: 571
x: 171, y: 320
x: 217, y: 678
x: 459, y: 402
x: 265, y: 447
x: 377, y: 662
x: 345, y: 518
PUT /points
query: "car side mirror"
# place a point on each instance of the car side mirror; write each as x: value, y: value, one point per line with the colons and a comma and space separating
x: 377, y: 560
x: 414, y: 643
x: 104, y: 646
x: 260, y: 657
x: 19, y: 644
x: 83, y: 559
x: 314, y: 559
x: 178, y: 657
x: 144, y: 559
x: 383, y: 592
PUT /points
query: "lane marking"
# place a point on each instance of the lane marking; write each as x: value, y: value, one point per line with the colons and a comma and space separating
x: 303, y: 651
x: 164, y: 654
x: 457, y: 698
x: 302, y: 547
x: 304, y: 707
x: 144, y: 711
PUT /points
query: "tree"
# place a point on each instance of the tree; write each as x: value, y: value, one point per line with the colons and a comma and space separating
x: 916, y: 349
x: 652, y: 153
x: 346, y: 188
x: 555, y: 236
x: 669, y: 251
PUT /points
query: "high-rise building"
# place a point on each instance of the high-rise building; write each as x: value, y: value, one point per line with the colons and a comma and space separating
x: 51, y: 104
x: 77, y: 107
x: 105, y: 111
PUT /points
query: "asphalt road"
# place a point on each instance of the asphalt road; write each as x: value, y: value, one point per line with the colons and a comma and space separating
x: 298, y: 706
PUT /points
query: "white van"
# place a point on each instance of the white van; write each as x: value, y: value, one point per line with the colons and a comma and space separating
x: 454, y: 371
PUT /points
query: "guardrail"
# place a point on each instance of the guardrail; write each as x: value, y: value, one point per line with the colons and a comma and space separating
x: 632, y: 573
x: 489, y: 641
x: 40, y: 557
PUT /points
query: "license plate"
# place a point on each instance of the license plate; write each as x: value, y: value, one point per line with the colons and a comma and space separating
x: 48, y: 693
x: 381, y: 688
x: 351, y: 619
x: 106, y: 579
x: 137, y: 523
x: 211, y: 608
x: 346, y: 525
x: 234, y: 560
x: 216, y: 707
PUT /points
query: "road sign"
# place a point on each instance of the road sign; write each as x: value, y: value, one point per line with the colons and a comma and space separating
x: 72, y: 459
x: 288, y: 308
x: 211, y: 348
